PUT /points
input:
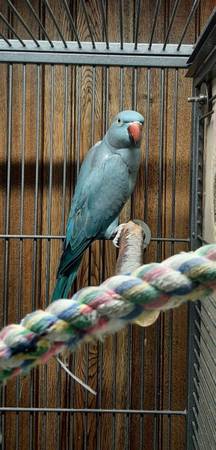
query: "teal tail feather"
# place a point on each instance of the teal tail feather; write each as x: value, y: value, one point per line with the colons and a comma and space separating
x: 64, y: 283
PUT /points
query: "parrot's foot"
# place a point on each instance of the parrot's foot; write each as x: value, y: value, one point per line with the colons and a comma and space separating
x: 118, y: 232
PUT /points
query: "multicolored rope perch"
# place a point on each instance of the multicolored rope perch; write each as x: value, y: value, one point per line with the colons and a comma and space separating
x: 95, y: 311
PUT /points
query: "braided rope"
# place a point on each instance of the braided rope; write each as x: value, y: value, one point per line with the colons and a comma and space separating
x: 95, y: 311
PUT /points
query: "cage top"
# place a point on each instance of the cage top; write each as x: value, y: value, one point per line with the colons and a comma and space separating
x: 98, y: 28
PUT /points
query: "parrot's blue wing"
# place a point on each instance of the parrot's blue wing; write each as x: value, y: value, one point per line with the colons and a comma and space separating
x: 100, y: 199
x: 76, y: 245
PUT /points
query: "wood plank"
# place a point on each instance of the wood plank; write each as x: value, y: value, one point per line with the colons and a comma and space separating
x: 87, y: 131
x: 56, y: 176
x: 22, y: 200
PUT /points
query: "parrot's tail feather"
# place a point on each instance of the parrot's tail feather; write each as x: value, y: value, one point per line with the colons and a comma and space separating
x: 64, y: 283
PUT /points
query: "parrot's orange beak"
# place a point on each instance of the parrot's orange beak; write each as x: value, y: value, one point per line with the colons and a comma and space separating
x: 135, y: 131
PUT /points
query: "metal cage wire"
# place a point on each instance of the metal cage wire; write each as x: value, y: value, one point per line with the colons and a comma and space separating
x: 93, y: 50
x: 60, y: 82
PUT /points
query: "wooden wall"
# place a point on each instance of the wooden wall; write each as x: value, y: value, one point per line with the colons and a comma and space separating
x: 49, y: 118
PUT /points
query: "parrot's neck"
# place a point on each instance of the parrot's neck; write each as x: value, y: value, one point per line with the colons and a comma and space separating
x: 131, y: 154
x: 131, y: 158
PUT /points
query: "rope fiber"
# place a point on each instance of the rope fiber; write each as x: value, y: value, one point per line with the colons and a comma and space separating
x: 94, y: 312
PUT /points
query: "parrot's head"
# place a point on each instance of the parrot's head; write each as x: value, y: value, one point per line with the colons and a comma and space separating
x: 126, y: 129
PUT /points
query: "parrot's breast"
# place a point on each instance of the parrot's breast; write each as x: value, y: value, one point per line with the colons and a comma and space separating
x: 131, y: 157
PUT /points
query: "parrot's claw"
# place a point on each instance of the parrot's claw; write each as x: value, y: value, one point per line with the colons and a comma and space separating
x: 118, y: 232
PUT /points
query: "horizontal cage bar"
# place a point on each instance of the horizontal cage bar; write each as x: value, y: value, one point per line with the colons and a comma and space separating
x: 156, y: 56
x: 94, y: 410
x: 50, y: 236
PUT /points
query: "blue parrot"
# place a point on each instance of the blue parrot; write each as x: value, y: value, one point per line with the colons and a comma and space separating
x: 106, y: 180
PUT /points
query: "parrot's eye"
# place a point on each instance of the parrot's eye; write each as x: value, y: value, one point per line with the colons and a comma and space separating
x: 119, y: 121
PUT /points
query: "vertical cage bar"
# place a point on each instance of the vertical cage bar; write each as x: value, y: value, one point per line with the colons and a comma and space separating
x: 88, y: 23
x: 130, y: 330
x: 195, y: 187
x: 102, y: 267
x: 157, y: 419
x: 48, y: 243
x: 121, y: 24
x: 5, y: 39
x: 18, y: 15
x: 121, y: 88
x: 106, y: 98
x: 36, y: 199
x: 142, y: 359
x: 129, y: 368
x: 175, y: 108
x: 134, y: 88
x: 147, y: 145
x: 89, y: 251
x: 55, y: 22
x: 72, y: 23
x: 65, y: 149
x: 93, y: 105
x: 142, y: 333
x: 154, y: 23
x: 10, y: 28
x: 22, y: 155
x: 78, y: 111
x: 161, y: 164
x: 114, y: 341
x: 104, y: 22
x: 35, y: 242
x: 10, y: 20
x: 39, y: 22
x: 137, y: 24
x: 86, y: 347
x: 20, y: 269
x: 92, y: 143
x: 170, y: 368
x: 64, y: 180
x: 192, y: 12
x: 170, y: 23
x: 7, y: 208
x: 7, y: 223
x: 114, y: 360
x: 76, y: 141
x: 134, y: 107
x: 173, y: 220
x: 49, y: 198
x: 105, y: 127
